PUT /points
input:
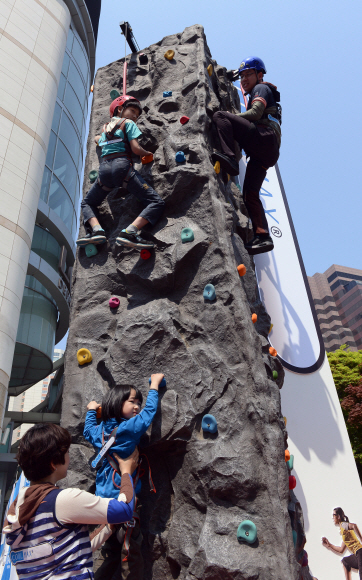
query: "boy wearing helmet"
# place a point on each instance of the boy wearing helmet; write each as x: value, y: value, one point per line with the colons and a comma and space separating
x: 258, y: 132
x: 118, y: 141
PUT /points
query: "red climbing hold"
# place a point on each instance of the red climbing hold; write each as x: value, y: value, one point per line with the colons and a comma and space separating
x: 254, y: 318
x: 272, y: 351
x: 145, y: 254
x: 147, y: 159
x: 292, y: 482
x: 99, y: 413
x: 184, y: 120
x: 114, y: 302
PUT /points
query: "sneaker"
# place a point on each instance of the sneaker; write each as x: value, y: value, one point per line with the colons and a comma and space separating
x: 98, y: 237
x: 230, y: 165
x: 133, y: 240
x: 259, y: 245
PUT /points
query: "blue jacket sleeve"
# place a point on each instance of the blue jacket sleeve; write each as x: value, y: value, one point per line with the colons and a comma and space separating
x: 139, y: 424
x: 90, y: 426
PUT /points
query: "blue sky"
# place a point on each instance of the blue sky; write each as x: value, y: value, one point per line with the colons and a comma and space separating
x: 312, y: 51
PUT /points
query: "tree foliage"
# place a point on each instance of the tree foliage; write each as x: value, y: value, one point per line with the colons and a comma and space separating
x: 346, y: 367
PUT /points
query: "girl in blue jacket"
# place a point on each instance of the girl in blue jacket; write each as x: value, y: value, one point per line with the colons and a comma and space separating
x: 122, y: 418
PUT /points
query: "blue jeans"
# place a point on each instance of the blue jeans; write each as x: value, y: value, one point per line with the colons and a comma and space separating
x: 112, y: 173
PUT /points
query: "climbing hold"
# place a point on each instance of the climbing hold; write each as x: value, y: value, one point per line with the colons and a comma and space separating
x: 113, y: 302
x: 287, y: 455
x: 209, y: 424
x: 247, y: 532
x: 292, y: 482
x: 180, y: 157
x: 272, y: 351
x: 162, y: 383
x: 254, y: 318
x: 305, y: 559
x: 271, y: 328
x: 91, y: 250
x: 294, y: 537
x: 169, y: 54
x: 275, y: 375
x: 167, y: 94
x: 99, y: 413
x: 147, y: 159
x: 143, y: 58
x: 241, y: 268
x: 187, y: 235
x: 114, y: 94
x: 92, y: 88
x: 217, y: 167
x: 93, y: 175
x: 209, y: 292
x: 210, y: 69
x: 184, y: 120
x: 291, y: 462
x: 285, y: 421
x: 84, y: 356
x: 145, y: 254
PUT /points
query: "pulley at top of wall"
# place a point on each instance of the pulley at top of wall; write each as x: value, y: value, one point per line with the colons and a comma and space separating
x: 132, y: 43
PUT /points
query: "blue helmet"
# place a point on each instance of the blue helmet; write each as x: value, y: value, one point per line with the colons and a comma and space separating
x: 252, y: 62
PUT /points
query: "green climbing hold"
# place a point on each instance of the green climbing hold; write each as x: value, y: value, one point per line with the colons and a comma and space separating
x: 114, y: 94
x: 294, y: 537
x: 91, y: 250
x: 247, y: 532
x: 275, y: 375
x: 290, y: 463
x: 93, y: 175
x: 187, y: 235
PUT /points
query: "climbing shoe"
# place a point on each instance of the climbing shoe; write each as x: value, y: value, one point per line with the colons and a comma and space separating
x: 133, y: 240
x: 230, y: 165
x: 98, y: 237
x: 260, y: 244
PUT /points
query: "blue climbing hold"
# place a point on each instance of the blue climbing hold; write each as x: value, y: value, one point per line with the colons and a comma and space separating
x: 162, y: 383
x: 247, y: 532
x: 167, y: 94
x: 294, y: 537
x: 180, y: 157
x: 91, y: 250
x: 209, y: 424
x: 290, y: 463
x: 209, y: 292
x: 187, y: 235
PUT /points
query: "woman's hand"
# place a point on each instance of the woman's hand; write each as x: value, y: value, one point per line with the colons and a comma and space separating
x: 130, y: 464
x: 93, y: 406
x: 326, y: 542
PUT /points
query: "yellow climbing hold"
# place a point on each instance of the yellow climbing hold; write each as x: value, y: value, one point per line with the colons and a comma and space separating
x: 270, y: 329
x: 210, y: 70
x: 217, y: 167
x: 84, y: 356
x: 169, y: 54
x: 285, y: 421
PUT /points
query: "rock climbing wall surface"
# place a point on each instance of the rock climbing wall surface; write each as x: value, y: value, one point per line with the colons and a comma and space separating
x: 211, y: 475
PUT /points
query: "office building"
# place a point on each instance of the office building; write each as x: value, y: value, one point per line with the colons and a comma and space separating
x: 337, y: 296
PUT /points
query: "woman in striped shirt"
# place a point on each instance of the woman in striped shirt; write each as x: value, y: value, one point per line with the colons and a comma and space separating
x: 46, y: 527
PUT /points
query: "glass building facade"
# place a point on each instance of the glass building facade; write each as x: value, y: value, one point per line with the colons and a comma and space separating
x: 60, y: 188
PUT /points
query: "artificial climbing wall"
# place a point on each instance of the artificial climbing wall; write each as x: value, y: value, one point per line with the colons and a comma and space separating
x: 215, y: 359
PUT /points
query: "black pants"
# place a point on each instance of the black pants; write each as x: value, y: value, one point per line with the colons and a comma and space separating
x: 260, y: 143
x: 354, y: 561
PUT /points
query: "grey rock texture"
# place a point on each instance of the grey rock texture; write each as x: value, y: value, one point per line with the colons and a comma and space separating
x: 215, y: 360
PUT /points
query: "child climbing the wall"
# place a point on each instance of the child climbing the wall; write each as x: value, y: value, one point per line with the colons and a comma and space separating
x: 122, y: 419
x: 118, y: 141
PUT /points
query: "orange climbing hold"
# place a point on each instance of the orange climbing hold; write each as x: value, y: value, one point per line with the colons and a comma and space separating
x: 254, y: 318
x: 285, y: 421
x: 92, y: 88
x: 99, y: 413
x: 169, y: 54
x: 287, y: 455
x: 217, y: 167
x: 272, y: 351
x: 210, y: 69
x: 241, y: 269
x: 147, y: 159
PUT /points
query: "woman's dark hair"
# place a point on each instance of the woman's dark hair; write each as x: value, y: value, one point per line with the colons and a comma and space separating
x: 112, y: 402
x: 339, y: 511
x: 42, y: 445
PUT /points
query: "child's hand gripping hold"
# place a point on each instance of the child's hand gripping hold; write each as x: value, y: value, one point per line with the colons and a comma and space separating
x: 156, y: 380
